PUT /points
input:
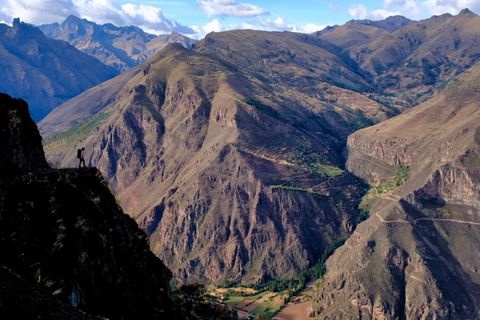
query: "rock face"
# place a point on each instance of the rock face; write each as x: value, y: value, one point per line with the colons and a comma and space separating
x: 416, y: 256
x: 234, y: 172
x: 21, y: 143
x: 118, y: 47
x: 64, y: 236
x: 43, y: 71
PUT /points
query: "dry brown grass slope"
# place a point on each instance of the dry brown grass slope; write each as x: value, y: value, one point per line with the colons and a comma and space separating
x: 412, y: 61
x: 416, y: 257
x: 351, y: 35
x: 234, y: 173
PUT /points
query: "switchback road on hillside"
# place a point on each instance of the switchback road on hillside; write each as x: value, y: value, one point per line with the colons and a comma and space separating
x: 411, y: 221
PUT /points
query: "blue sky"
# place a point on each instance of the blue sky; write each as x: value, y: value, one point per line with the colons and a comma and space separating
x: 296, y: 12
x: 198, y: 17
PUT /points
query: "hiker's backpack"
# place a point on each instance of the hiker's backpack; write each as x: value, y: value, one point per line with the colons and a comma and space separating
x: 79, y: 153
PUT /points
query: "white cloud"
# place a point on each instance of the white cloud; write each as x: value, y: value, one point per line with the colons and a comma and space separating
x: 311, y: 28
x: 151, y: 19
x: 37, y: 11
x: 278, y: 24
x: 410, y: 8
x: 147, y: 17
x: 231, y: 8
x: 212, y: 26
x: 359, y: 11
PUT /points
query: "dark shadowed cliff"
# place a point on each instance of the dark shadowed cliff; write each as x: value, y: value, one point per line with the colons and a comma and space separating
x: 64, y: 236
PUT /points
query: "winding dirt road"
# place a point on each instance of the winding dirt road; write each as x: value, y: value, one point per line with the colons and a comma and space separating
x: 411, y: 221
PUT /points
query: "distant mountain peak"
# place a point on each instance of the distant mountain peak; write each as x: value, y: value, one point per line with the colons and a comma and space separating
x: 442, y: 16
x: 73, y: 18
x: 466, y: 11
x: 120, y: 47
x: 397, y: 18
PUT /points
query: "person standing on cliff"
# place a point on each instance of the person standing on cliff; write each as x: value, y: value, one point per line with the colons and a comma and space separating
x: 81, y: 159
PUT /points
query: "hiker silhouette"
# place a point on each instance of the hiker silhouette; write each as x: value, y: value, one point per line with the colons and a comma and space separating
x: 81, y: 159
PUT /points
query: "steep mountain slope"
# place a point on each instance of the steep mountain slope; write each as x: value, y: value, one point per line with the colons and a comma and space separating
x: 414, y: 60
x: 351, y: 35
x: 416, y: 256
x: 229, y: 155
x: 44, y: 71
x: 118, y: 47
x: 86, y: 105
x: 64, y: 237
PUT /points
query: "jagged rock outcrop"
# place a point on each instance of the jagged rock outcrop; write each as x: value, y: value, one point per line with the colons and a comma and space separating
x: 44, y: 71
x: 63, y: 231
x: 225, y: 154
x: 21, y: 144
x: 416, y: 256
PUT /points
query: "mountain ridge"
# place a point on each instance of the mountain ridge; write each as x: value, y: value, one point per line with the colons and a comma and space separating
x: 118, y: 47
x: 410, y: 63
x: 56, y: 70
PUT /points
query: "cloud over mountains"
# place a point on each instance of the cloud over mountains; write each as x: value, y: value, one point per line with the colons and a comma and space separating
x: 204, y: 16
x: 149, y: 18
x: 231, y: 8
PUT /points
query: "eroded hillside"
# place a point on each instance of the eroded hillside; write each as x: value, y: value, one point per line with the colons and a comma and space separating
x: 231, y: 155
x: 416, y: 257
x: 234, y: 173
